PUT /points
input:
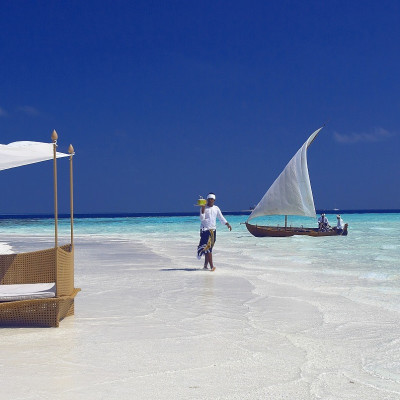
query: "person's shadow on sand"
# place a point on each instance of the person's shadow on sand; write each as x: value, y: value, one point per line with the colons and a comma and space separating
x: 180, y: 269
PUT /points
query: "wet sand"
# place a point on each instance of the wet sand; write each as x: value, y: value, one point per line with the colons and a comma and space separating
x: 150, y: 324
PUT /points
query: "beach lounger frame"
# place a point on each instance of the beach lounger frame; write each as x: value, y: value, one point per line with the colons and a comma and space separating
x: 44, y: 266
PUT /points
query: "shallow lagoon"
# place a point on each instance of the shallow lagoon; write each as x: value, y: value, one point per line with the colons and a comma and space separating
x: 296, y: 317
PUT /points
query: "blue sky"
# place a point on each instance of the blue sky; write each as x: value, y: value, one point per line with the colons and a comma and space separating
x: 164, y: 101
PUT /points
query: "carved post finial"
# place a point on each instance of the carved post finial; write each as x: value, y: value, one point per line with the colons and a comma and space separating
x: 71, y: 149
x: 54, y: 136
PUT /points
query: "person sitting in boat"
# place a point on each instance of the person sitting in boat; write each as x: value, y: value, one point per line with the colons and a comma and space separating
x: 323, y: 223
x: 340, y: 224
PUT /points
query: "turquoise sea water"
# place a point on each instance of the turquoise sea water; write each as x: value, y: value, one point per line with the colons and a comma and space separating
x: 371, y: 251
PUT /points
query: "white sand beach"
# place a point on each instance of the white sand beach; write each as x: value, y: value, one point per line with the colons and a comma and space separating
x: 150, y: 324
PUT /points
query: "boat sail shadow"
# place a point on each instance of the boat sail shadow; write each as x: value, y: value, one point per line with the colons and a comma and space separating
x: 291, y: 194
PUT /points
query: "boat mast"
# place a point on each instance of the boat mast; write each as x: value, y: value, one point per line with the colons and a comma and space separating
x: 285, y: 222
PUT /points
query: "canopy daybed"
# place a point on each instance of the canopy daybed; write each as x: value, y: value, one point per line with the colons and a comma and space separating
x: 37, y: 288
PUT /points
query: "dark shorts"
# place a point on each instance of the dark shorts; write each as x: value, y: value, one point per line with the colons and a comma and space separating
x: 207, y: 241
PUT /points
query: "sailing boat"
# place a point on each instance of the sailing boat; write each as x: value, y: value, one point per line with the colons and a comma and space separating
x: 290, y: 194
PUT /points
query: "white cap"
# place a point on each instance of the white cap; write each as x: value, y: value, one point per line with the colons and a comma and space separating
x: 211, y: 196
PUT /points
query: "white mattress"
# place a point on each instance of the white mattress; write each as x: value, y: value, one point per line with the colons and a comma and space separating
x: 27, y: 292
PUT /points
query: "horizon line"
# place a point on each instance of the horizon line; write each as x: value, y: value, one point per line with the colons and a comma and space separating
x: 181, y: 214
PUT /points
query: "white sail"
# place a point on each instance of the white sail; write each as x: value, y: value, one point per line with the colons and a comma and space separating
x: 291, y: 192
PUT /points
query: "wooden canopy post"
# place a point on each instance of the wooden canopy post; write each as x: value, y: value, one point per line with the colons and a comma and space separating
x: 71, y: 185
x: 285, y: 222
x: 54, y: 138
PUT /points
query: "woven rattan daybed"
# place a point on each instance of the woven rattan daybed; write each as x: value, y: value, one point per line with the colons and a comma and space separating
x: 54, y: 265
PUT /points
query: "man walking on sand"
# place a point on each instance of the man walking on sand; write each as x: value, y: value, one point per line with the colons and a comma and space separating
x: 208, y: 230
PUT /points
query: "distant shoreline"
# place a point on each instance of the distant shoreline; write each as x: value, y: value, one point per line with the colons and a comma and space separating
x: 179, y: 214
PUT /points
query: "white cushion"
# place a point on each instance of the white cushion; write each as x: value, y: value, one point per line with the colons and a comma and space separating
x: 27, y: 291
x: 5, y: 248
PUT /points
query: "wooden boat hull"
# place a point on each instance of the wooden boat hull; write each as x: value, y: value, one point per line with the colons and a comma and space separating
x: 273, y: 231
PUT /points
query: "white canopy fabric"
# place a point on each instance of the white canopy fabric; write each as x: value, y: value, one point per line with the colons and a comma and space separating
x: 17, y: 154
x: 291, y: 192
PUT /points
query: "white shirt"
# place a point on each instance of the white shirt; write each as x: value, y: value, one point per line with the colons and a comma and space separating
x: 209, y: 218
x: 323, y: 220
x: 340, y: 223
